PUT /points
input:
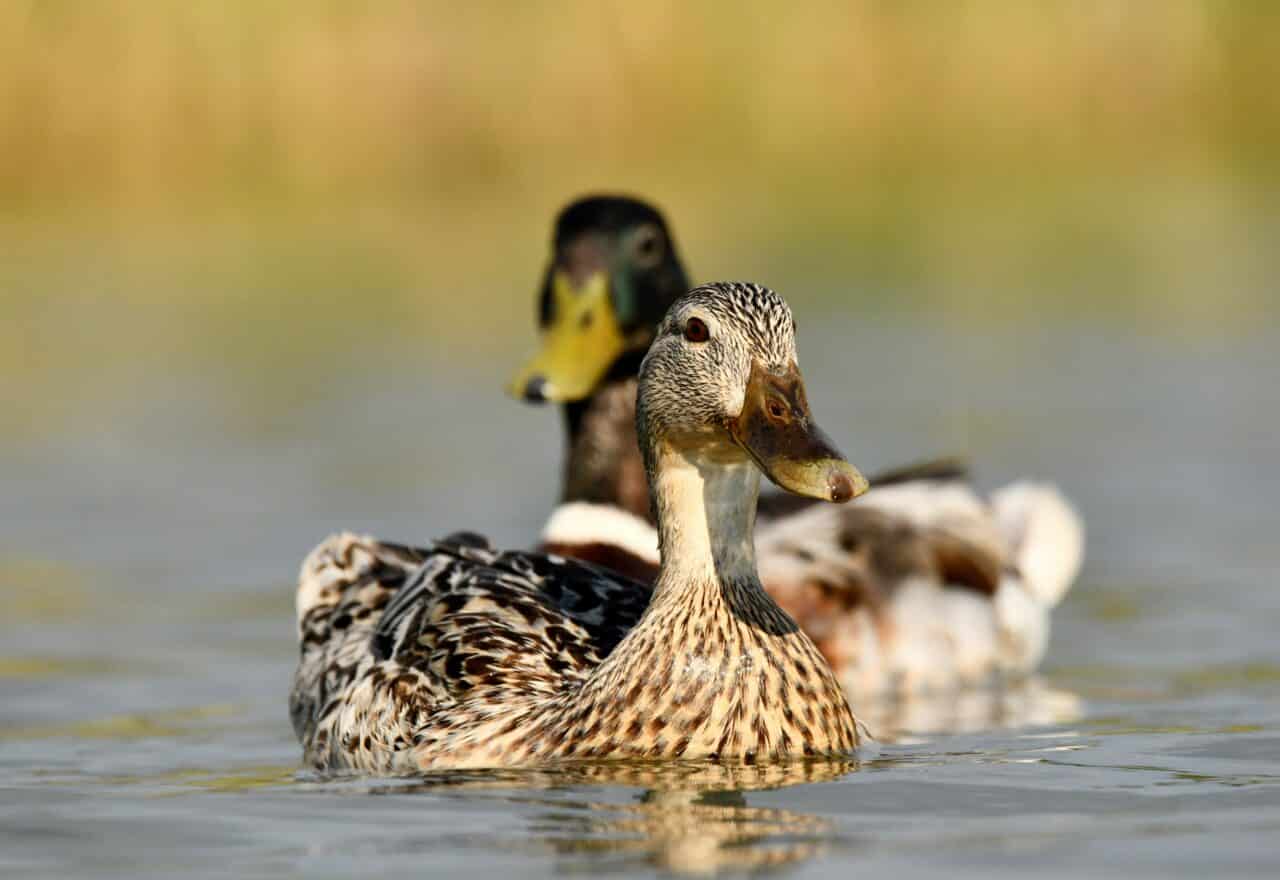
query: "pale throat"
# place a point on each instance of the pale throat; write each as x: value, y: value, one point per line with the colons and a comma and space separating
x: 705, y: 501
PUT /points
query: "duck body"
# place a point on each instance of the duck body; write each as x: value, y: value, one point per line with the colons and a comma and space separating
x: 926, y: 586
x: 921, y: 585
x: 499, y: 659
x: 457, y: 655
x: 412, y: 653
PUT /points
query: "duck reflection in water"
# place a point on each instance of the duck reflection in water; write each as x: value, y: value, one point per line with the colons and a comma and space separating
x: 691, y: 818
x: 1031, y: 702
x: 697, y: 817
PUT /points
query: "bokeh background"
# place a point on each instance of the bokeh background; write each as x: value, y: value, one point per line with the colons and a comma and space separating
x: 223, y: 225
x: 245, y: 188
x: 264, y: 267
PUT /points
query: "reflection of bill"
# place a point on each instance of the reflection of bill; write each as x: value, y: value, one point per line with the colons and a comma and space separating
x: 1029, y: 703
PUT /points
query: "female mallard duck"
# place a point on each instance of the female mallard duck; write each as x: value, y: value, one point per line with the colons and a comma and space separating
x: 921, y: 585
x: 461, y: 656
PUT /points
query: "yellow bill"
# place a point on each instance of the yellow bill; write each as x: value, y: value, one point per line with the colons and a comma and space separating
x: 578, y: 346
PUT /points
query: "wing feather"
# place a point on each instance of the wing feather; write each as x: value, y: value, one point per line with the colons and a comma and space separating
x: 392, y: 634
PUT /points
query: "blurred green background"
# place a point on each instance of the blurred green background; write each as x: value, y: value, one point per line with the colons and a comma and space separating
x: 249, y: 186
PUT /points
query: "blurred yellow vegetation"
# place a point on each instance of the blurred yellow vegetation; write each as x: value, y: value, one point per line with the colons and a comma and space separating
x: 257, y: 182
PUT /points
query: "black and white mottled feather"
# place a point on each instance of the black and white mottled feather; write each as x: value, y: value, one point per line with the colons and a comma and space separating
x: 408, y: 633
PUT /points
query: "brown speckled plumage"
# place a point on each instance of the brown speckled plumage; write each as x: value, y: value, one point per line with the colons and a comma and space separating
x: 457, y: 655
x: 492, y: 664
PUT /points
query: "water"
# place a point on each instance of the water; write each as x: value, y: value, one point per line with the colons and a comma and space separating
x: 150, y: 540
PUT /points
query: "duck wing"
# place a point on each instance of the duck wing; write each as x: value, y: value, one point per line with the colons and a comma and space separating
x: 396, y: 633
x: 480, y: 621
x: 775, y: 505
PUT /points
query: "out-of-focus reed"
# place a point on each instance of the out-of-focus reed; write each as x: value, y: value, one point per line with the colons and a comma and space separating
x: 182, y: 177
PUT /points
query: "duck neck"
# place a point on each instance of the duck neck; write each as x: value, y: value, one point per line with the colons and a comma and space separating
x: 714, y: 668
x: 603, y: 464
x: 706, y: 513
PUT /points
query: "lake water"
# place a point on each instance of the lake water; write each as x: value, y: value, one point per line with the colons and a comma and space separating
x: 148, y: 547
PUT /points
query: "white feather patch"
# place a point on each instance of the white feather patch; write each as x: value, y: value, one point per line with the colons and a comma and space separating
x: 580, y: 522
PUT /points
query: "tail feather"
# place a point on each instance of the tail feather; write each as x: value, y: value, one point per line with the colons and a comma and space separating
x: 1045, y: 535
x: 342, y: 588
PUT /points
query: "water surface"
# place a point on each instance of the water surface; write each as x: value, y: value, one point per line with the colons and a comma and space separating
x: 149, y: 543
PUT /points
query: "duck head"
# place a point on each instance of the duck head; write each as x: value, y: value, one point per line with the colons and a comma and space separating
x: 721, y: 383
x: 614, y: 271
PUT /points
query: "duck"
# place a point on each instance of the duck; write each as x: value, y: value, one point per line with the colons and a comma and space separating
x: 924, y: 585
x: 457, y: 655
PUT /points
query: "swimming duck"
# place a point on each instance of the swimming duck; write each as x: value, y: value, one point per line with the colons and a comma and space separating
x: 457, y: 655
x: 922, y: 585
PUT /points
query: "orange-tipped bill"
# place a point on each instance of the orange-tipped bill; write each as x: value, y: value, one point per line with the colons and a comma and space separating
x: 776, y: 428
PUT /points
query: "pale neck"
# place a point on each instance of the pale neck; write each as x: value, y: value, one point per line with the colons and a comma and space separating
x: 706, y: 514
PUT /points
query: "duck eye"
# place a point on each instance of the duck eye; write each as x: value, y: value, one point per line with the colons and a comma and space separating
x: 647, y: 249
x: 695, y: 330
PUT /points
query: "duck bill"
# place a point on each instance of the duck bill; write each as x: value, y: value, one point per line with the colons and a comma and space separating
x: 582, y: 341
x: 777, y: 430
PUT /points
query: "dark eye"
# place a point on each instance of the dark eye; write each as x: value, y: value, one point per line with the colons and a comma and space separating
x: 648, y: 246
x: 695, y: 330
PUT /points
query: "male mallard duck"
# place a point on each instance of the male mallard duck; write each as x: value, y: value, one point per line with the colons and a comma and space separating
x: 457, y: 655
x: 921, y: 585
